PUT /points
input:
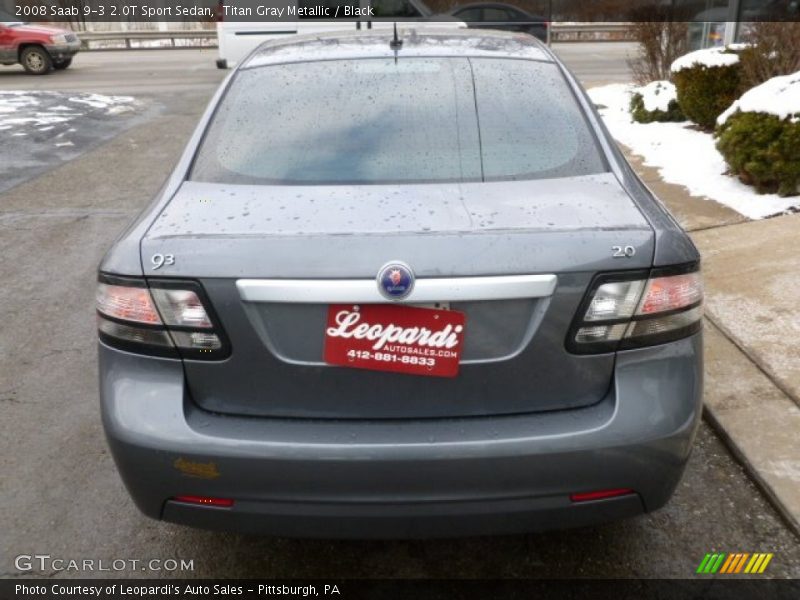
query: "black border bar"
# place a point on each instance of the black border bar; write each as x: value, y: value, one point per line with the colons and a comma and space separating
x: 714, y: 587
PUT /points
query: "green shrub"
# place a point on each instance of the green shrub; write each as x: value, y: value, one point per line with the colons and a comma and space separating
x: 641, y: 115
x: 705, y: 92
x: 762, y: 150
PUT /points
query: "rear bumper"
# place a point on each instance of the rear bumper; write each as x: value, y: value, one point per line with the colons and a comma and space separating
x: 440, y: 477
x: 403, y: 520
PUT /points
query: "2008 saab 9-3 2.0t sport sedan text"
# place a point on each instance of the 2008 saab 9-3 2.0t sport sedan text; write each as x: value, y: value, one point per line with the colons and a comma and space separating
x: 401, y: 288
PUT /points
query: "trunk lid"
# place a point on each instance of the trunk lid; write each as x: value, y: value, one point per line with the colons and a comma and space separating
x: 514, y: 359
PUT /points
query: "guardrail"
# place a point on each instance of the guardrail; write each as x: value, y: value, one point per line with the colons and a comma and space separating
x: 590, y: 32
x: 194, y: 38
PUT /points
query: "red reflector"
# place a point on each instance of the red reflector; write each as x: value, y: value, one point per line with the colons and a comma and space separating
x: 600, y: 494
x: 204, y: 500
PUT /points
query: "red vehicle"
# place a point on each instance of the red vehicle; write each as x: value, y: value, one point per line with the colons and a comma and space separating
x: 37, y: 47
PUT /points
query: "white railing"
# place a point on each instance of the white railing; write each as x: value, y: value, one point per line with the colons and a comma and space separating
x: 193, y: 38
x: 170, y: 38
x: 590, y: 32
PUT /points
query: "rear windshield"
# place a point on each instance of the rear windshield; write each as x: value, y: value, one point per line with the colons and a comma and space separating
x: 414, y: 120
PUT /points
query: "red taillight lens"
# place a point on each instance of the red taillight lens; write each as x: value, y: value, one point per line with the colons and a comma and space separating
x: 127, y: 303
x: 205, y: 501
x: 634, y: 309
x: 170, y: 318
x: 664, y: 294
x: 600, y: 494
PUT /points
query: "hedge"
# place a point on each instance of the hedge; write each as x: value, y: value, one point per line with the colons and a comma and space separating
x: 762, y: 150
x: 641, y: 115
x: 705, y: 92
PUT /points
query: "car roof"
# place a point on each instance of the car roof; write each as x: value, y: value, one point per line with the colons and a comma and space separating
x: 417, y: 41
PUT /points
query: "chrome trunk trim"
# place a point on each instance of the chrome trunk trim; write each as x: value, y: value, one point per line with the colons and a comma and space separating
x: 449, y: 289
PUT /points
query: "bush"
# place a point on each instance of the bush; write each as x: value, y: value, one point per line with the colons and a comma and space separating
x: 659, y: 43
x: 773, y: 50
x: 704, y: 92
x: 656, y: 102
x: 762, y: 150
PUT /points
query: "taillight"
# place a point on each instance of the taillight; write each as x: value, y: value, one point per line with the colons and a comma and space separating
x: 127, y: 303
x: 634, y: 309
x: 181, y: 308
x: 168, y: 318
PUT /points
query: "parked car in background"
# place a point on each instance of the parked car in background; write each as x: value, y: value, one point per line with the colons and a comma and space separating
x: 38, y: 48
x: 237, y: 38
x: 495, y: 15
x: 401, y: 287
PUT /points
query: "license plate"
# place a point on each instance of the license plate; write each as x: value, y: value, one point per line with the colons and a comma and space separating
x: 400, y: 339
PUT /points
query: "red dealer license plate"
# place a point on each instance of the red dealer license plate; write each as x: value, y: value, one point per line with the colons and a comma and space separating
x: 401, y: 339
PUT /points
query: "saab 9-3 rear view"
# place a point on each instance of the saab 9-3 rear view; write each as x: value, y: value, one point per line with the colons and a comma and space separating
x: 401, y: 287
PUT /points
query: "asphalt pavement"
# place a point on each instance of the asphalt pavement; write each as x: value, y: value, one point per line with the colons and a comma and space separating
x: 59, y: 490
x: 598, y: 63
x: 136, y: 72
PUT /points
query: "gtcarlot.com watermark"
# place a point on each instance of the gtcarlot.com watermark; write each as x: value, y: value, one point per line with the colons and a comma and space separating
x: 48, y: 563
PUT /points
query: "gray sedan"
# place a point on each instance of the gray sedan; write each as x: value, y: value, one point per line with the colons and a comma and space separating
x: 400, y: 287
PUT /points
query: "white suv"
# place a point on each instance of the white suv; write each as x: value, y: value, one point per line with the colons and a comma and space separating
x: 237, y: 38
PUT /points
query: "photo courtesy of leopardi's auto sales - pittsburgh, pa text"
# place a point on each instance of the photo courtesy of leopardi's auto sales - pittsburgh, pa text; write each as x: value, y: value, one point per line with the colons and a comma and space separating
x: 134, y: 590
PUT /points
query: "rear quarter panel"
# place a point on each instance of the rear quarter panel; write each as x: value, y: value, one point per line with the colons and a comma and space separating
x: 672, y: 244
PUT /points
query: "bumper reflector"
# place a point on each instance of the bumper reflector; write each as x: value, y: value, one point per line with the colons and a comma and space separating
x: 600, y: 494
x: 205, y: 501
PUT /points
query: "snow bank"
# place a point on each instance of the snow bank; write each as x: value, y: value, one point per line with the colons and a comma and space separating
x: 101, y: 101
x: 779, y: 96
x: 709, y: 57
x: 657, y: 95
x: 28, y: 111
x: 683, y: 155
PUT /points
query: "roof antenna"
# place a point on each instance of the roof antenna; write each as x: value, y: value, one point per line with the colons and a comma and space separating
x: 396, y: 43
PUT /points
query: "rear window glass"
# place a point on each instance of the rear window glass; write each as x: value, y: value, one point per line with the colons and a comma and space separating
x: 414, y: 120
x: 530, y: 124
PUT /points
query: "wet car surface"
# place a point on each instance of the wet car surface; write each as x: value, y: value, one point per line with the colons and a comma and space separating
x: 521, y: 316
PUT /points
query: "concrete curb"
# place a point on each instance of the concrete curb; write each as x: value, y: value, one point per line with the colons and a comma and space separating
x: 757, y: 422
x: 752, y: 472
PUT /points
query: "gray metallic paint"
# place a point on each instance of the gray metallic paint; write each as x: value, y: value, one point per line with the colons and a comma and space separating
x: 638, y: 436
x: 254, y: 381
x: 672, y: 245
x: 630, y: 421
x: 343, y: 231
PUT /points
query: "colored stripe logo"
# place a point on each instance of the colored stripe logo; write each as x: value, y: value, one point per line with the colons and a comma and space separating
x: 734, y: 563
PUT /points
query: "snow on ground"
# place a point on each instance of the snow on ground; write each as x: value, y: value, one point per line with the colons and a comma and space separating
x: 657, y: 95
x: 100, y: 101
x: 779, y: 96
x: 683, y: 155
x: 29, y: 112
x: 40, y: 130
x: 709, y: 57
